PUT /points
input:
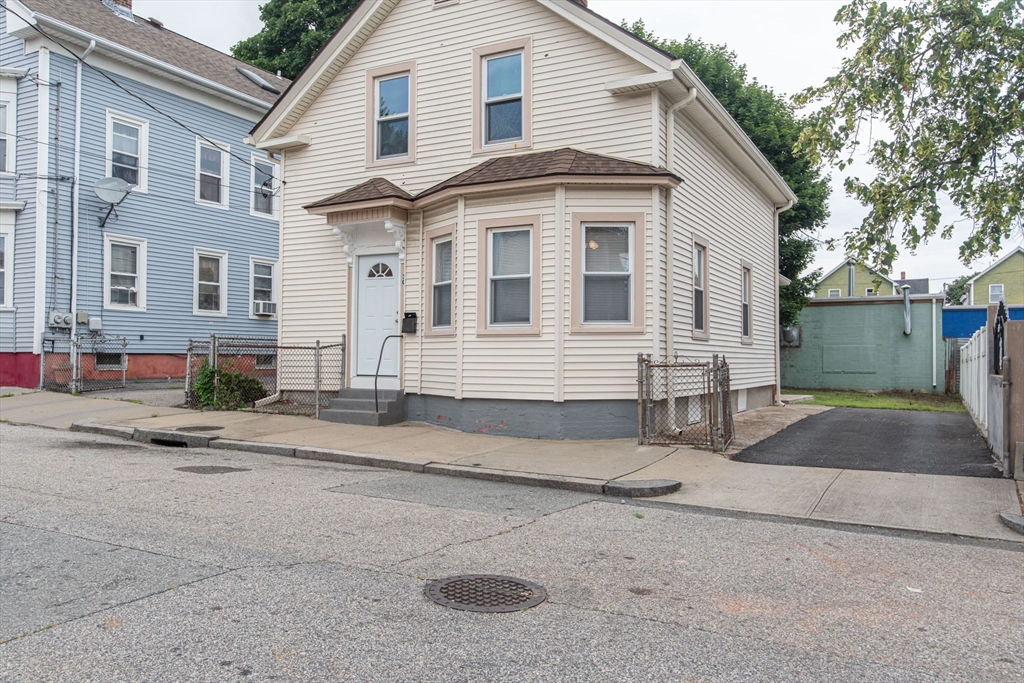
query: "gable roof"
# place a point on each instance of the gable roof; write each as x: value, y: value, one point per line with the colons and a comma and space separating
x: 854, y: 261
x: 558, y: 163
x: 134, y: 41
x: 1018, y: 250
x: 374, y: 188
x: 672, y: 76
x: 917, y: 285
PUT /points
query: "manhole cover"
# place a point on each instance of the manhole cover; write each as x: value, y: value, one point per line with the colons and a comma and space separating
x: 199, y: 428
x: 210, y: 469
x: 486, y: 593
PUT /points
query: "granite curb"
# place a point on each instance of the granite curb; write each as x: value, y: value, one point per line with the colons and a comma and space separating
x: 159, y: 437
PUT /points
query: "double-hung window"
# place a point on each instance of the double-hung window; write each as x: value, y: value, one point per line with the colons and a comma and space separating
x: 392, y: 116
x: 995, y: 294
x: 746, y: 295
x: 510, y: 276
x: 5, y: 165
x: 441, y: 303
x: 212, y: 173
x: 834, y: 293
x: 124, y: 272
x: 127, y: 149
x: 608, y: 273
x: 263, y: 200
x: 261, y: 285
x: 211, y: 290
x: 503, y: 99
x: 6, y: 252
x: 700, y: 288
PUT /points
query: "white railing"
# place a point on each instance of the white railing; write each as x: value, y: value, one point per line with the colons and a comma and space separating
x: 974, y: 376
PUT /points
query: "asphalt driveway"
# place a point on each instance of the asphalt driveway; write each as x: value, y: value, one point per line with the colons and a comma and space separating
x: 882, y: 440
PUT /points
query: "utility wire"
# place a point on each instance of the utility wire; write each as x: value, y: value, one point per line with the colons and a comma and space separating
x: 105, y: 75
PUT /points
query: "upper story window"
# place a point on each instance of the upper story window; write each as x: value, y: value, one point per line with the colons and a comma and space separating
x: 392, y: 114
x: 441, y: 309
x: 262, y: 287
x: 265, y: 184
x: 700, y: 288
x: 124, y: 272
x: 995, y: 294
x: 212, y: 173
x: 6, y: 165
x: 128, y: 149
x: 503, y: 103
x: 502, y: 96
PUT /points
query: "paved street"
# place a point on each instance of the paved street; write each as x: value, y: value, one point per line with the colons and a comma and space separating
x: 118, y: 566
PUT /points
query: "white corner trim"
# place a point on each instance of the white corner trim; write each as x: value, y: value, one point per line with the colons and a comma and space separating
x: 41, y: 199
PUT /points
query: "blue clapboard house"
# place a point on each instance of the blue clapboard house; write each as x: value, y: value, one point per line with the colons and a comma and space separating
x: 89, y: 92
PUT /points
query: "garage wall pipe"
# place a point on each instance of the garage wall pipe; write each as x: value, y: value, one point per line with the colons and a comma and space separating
x: 670, y: 154
x: 908, y: 325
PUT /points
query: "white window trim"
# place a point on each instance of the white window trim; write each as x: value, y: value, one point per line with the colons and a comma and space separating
x: 225, y: 177
x: 395, y: 117
x: 491, y: 277
x: 703, y: 333
x: 140, y: 296
x: 747, y: 290
x: 274, y: 292
x: 434, y: 284
x: 869, y: 291
x: 630, y: 243
x: 9, y: 96
x: 223, y: 256
x: 839, y: 293
x: 143, y: 126
x: 1002, y: 293
x: 275, y: 185
x: 7, y: 230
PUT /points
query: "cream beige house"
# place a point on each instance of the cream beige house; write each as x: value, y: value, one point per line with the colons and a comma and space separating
x: 547, y: 196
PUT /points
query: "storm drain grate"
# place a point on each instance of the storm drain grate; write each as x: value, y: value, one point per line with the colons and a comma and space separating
x: 486, y: 593
x: 210, y: 469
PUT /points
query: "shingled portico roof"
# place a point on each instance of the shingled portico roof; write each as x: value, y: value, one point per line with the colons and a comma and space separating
x: 564, y: 162
x: 372, y: 190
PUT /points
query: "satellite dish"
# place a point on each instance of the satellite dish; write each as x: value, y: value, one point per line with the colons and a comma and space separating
x: 112, y: 190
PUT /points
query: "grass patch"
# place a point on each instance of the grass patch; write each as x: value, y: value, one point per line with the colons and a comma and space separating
x: 884, y: 400
x: 6, y: 395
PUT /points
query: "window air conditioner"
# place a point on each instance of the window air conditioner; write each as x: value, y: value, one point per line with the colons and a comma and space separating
x: 264, y: 308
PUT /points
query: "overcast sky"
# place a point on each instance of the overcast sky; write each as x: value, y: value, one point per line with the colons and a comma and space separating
x: 786, y: 45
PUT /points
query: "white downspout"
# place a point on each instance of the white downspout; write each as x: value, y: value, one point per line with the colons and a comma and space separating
x: 670, y: 136
x: 42, y: 198
x: 77, y: 175
x: 935, y: 379
x: 777, y: 297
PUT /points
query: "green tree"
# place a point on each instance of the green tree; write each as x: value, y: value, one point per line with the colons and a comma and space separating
x: 293, y: 31
x: 933, y: 93
x: 957, y: 290
x: 770, y: 122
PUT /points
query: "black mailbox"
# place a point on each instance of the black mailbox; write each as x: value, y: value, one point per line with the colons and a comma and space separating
x: 409, y: 324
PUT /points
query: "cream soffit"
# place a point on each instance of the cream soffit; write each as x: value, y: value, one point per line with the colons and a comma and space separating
x: 710, y: 115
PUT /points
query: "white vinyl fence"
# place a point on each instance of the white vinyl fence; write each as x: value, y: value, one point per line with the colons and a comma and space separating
x: 974, y: 372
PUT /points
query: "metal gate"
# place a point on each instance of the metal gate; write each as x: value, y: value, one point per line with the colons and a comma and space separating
x: 682, y: 401
x: 76, y: 364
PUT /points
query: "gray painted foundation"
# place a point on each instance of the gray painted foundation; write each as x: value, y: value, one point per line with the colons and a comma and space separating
x: 571, y: 421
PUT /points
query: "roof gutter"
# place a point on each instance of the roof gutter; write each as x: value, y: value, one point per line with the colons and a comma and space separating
x: 126, y: 54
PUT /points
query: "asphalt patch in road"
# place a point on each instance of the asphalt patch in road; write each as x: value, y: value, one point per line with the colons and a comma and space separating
x: 905, y: 441
x: 102, y: 446
x: 210, y: 469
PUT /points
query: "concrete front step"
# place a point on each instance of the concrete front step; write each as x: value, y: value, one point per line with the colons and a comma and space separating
x: 357, y: 407
x: 362, y: 417
x: 383, y: 394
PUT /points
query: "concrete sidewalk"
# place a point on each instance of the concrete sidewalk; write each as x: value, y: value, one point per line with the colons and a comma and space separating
x: 962, y: 506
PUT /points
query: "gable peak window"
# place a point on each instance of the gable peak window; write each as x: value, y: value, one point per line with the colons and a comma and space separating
x: 392, y: 116
x: 503, y: 98
x: 995, y: 294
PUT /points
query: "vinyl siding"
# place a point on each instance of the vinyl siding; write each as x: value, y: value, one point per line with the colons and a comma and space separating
x: 862, y: 279
x: 16, y: 324
x: 1009, y: 274
x: 717, y: 203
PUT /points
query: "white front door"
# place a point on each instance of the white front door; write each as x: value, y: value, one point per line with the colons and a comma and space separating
x: 377, y: 315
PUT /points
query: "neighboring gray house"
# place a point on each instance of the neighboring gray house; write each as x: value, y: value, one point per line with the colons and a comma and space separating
x: 192, y: 250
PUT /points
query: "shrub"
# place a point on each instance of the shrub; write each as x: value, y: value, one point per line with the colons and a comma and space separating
x: 223, y: 389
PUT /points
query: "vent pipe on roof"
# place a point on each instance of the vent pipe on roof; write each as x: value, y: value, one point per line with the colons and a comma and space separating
x: 850, y: 277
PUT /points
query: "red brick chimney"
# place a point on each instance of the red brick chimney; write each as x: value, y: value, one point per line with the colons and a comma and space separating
x: 903, y: 275
x: 128, y: 3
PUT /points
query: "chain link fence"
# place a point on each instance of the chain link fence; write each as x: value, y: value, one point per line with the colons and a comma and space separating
x: 76, y: 364
x: 257, y: 373
x: 682, y: 401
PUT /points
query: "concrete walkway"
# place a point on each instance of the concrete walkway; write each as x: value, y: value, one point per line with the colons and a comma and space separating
x: 962, y: 506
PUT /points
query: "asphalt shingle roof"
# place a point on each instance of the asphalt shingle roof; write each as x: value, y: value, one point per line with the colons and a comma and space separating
x: 162, y: 44
x: 374, y: 188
